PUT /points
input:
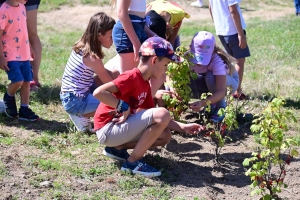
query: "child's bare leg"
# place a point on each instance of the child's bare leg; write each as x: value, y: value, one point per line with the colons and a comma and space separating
x: 127, y: 62
x: 161, y: 119
x: 34, y: 42
x: 163, y: 139
x: 13, y: 87
x: 240, y: 69
x: 25, y: 93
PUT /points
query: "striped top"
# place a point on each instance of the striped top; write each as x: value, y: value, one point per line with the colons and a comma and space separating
x: 77, y: 77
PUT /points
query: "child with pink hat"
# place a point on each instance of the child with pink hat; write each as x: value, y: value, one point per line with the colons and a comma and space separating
x: 215, y: 70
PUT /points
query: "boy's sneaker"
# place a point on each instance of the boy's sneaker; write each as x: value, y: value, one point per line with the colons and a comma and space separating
x: 139, y: 167
x: 82, y: 124
x: 197, y: 3
x: 113, y: 153
x: 10, y: 106
x: 27, y: 114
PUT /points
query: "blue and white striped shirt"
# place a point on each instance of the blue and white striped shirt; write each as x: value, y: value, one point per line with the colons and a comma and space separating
x: 77, y: 77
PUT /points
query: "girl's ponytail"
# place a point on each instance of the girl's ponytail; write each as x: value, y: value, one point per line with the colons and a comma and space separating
x: 228, y: 59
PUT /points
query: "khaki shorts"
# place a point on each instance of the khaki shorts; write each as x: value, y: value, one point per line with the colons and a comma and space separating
x: 131, y: 130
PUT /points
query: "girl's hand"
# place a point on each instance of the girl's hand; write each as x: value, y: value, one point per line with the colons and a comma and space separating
x: 120, y: 118
x: 192, y: 128
x: 136, y: 47
x: 32, y: 54
x: 196, y: 106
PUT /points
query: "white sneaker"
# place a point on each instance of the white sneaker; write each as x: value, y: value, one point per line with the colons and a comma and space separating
x: 197, y: 3
x: 82, y: 124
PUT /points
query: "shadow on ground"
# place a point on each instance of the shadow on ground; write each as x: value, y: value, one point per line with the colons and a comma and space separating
x: 42, y: 125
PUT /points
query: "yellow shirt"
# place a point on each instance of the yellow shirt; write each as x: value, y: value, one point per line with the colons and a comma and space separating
x: 176, y: 12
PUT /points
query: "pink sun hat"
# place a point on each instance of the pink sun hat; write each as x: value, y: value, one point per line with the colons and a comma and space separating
x: 202, y: 46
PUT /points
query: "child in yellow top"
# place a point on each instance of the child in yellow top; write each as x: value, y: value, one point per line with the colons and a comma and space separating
x: 172, y: 13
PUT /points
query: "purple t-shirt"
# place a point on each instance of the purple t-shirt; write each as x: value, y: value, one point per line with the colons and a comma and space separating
x: 217, y: 66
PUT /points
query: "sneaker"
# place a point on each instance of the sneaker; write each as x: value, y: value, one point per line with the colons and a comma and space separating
x: 139, y: 167
x: 240, y: 96
x: 82, y: 124
x: 197, y: 3
x: 215, y: 117
x: 34, y: 86
x: 10, y: 106
x: 27, y: 114
x: 113, y: 153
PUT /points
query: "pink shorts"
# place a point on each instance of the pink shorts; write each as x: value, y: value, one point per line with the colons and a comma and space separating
x: 131, y: 130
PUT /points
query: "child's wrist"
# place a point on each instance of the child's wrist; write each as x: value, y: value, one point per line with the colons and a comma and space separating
x: 122, y: 106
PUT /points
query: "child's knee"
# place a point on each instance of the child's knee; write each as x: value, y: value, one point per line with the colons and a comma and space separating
x: 18, y: 84
x: 161, y: 115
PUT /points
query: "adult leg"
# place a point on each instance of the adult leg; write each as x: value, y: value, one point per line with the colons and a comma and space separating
x: 34, y: 42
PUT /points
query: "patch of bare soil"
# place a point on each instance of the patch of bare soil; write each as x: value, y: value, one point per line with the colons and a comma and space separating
x: 187, y: 162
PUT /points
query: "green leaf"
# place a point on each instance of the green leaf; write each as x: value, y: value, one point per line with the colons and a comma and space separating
x: 294, y: 153
x: 267, y: 197
x: 254, y: 192
x: 246, y: 162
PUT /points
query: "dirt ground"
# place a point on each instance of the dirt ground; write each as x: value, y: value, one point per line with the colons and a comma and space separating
x: 187, y: 161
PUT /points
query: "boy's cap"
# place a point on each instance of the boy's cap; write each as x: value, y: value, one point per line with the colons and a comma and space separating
x: 157, y: 24
x: 202, y: 46
x: 157, y: 46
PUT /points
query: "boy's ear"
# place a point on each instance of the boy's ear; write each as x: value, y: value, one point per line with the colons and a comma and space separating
x: 154, y: 59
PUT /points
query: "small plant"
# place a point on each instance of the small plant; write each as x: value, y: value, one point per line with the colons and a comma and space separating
x: 179, y: 74
x: 269, y: 165
x: 220, y: 132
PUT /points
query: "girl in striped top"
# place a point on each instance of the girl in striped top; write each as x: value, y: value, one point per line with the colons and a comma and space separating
x: 85, y: 60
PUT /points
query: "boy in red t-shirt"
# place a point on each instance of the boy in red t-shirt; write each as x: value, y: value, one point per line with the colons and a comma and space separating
x: 127, y: 118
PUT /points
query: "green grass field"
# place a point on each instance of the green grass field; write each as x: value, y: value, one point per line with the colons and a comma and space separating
x: 53, y: 151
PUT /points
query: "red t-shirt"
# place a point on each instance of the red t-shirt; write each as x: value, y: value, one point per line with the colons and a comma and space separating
x: 133, y: 89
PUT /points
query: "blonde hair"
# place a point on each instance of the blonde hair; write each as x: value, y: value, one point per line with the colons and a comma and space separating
x: 89, y: 42
x: 167, y: 17
x: 228, y: 59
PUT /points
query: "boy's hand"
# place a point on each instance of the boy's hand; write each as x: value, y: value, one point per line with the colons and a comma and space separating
x: 196, y: 106
x: 3, y: 64
x: 120, y: 118
x: 242, y: 41
x: 192, y: 128
x: 159, y: 94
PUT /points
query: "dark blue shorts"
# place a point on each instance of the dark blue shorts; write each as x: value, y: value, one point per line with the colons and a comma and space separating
x: 231, y: 45
x: 120, y: 37
x: 32, y: 5
x: 19, y: 71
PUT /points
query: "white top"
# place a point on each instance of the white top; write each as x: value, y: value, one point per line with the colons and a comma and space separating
x: 77, y: 77
x: 224, y: 24
x: 136, y: 5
